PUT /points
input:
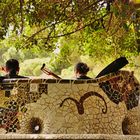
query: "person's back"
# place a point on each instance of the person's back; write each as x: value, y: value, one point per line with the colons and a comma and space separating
x: 81, y: 70
x: 12, y: 69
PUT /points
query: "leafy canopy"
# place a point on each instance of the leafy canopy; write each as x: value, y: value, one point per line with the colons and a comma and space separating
x: 99, y: 29
x: 50, y: 19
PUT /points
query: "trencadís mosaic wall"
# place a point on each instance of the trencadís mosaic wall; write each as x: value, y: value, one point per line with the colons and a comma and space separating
x: 107, y: 105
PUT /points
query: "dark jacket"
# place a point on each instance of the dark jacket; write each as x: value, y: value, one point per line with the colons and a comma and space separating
x: 8, y: 76
x: 83, y: 77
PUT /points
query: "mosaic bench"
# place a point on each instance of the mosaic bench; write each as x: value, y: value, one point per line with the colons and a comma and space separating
x: 105, y: 105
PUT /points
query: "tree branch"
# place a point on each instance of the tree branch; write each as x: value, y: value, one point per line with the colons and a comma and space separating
x: 78, y: 28
x: 21, y: 15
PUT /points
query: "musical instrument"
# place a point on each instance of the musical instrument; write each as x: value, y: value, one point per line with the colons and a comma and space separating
x: 48, y: 72
x: 114, y: 66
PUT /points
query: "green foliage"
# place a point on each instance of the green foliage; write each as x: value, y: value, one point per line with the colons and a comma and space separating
x: 31, y: 67
x: 95, y: 32
x: 55, y: 18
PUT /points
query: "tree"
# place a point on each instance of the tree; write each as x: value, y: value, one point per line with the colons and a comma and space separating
x: 50, y: 19
x: 100, y: 29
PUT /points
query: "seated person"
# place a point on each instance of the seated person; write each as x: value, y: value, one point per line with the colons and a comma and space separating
x: 81, y: 70
x: 12, y: 69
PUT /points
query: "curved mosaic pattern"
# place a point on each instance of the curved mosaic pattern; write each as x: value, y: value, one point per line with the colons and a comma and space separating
x: 52, y: 106
x: 35, y: 126
x: 122, y: 87
x: 79, y: 104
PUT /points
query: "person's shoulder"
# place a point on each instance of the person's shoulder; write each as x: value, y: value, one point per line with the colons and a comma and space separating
x: 19, y: 76
x: 84, y: 77
x: 13, y: 76
x: 2, y: 78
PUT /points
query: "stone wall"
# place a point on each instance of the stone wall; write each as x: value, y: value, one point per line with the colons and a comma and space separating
x: 107, y: 105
